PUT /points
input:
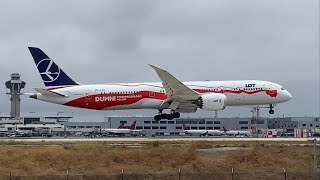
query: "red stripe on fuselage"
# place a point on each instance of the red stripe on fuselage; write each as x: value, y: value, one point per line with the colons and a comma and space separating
x: 103, y: 101
x: 271, y: 93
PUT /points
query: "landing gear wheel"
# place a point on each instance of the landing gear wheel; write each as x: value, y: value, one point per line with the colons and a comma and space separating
x: 170, y: 116
x: 157, y: 117
x: 176, y: 115
x: 271, y: 111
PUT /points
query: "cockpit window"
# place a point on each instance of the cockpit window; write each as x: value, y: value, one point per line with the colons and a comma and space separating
x: 282, y: 88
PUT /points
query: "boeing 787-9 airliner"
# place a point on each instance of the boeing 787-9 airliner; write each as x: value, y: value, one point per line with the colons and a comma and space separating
x: 172, y: 94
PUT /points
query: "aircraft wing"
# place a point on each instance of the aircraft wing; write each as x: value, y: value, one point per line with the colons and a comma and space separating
x: 178, y: 93
x: 46, y: 92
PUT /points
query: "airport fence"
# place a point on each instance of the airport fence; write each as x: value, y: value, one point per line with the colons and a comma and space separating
x: 179, y: 175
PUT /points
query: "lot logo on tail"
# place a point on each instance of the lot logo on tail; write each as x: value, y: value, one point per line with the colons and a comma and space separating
x: 49, y: 71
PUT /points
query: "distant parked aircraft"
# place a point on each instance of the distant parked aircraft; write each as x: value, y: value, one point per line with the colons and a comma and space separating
x: 121, y: 130
x: 236, y: 132
x: 199, y: 132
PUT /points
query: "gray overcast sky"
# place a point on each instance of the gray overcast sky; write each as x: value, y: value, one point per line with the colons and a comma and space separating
x: 113, y: 41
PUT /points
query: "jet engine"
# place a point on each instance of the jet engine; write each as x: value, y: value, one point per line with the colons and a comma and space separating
x: 212, y: 101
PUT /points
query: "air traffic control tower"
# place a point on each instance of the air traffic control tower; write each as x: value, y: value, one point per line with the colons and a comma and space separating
x: 15, y: 85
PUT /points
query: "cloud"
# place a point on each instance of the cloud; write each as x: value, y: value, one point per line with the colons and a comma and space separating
x: 113, y: 41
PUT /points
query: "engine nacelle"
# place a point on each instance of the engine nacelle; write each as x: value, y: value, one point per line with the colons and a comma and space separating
x: 212, y: 101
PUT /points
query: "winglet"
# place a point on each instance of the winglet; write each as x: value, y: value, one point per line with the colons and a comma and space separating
x: 154, y: 67
x: 175, y: 89
x: 159, y: 71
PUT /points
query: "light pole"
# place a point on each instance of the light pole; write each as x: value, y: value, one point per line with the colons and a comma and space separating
x: 315, y: 159
x: 257, y: 119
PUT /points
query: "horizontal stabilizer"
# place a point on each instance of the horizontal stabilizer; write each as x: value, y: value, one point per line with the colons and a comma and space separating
x: 27, y: 94
x: 46, y: 92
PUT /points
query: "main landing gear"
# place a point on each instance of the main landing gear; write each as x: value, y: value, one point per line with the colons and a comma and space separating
x: 170, y: 116
x: 271, y: 111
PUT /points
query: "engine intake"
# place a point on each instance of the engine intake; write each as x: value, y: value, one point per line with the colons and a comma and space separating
x: 212, y: 102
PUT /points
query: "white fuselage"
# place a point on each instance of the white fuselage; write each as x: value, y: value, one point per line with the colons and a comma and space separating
x: 152, y: 95
x: 236, y: 133
x: 116, y: 131
x: 203, y: 132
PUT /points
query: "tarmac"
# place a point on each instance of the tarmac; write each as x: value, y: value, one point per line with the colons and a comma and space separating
x: 151, y: 139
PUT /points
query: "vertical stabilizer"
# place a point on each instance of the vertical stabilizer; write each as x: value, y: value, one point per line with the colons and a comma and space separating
x: 50, y: 72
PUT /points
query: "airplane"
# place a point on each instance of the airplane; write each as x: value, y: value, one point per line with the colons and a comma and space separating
x: 200, y: 132
x: 236, y: 133
x: 121, y: 130
x: 16, y: 133
x: 170, y: 94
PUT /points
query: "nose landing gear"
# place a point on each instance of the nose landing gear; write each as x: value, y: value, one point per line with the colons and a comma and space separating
x: 271, y: 111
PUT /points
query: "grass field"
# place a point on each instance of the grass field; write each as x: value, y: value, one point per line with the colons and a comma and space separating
x: 260, y: 160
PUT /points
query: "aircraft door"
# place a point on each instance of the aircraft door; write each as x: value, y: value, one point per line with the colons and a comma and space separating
x: 271, y: 90
x: 89, y: 97
x: 152, y: 94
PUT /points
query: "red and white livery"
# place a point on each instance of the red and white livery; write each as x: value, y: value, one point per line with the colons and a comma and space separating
x: 178, y: 97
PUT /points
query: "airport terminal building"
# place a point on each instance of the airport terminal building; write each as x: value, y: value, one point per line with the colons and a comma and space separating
x: 62, y: 125
x: 174, y: 127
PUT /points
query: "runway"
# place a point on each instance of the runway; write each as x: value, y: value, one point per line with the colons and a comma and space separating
x: 162, y: 139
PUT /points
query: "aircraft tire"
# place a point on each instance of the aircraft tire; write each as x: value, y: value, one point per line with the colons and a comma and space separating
x: 176, y: 115
x: 169, y: 116
x: 157, y: 117
x: 271, y: 111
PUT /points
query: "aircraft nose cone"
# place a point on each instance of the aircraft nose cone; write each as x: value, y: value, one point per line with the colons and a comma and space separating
x: 287, y: 96
x: 290, y: 96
